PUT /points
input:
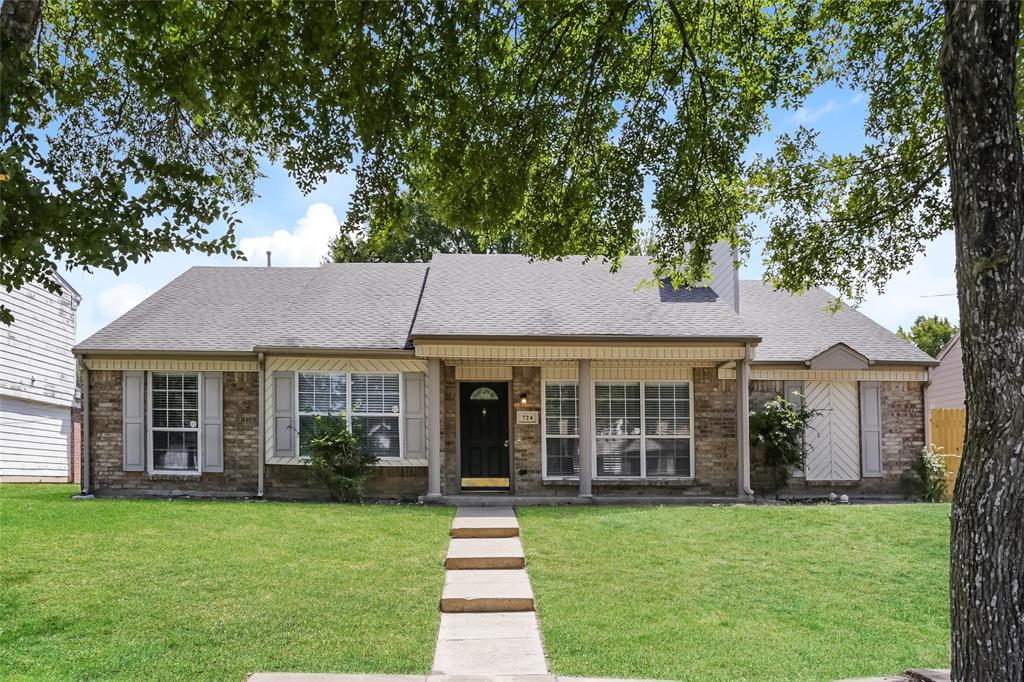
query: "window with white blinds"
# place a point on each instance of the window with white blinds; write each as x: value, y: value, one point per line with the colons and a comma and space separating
x: 617, y: 422
x: 376, y: 412
x: 370, y: 403
x: 561, y: 429
x: 174, y: 421
x: 643, y: 429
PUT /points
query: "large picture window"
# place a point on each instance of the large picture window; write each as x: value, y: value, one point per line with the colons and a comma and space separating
x: 561, y: 429
x: 643, y: 429
x: 370, y: 403
x: 174, y: 422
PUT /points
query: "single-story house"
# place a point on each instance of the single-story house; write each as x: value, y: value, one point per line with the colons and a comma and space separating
x: 492, y: 374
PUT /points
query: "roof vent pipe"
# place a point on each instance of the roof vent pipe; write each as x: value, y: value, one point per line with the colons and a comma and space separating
x: 268, y: 259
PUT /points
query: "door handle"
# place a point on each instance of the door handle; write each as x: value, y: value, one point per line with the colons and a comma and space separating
x: 506, y: 443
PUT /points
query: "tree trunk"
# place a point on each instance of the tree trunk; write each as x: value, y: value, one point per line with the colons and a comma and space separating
x: 987, y: 184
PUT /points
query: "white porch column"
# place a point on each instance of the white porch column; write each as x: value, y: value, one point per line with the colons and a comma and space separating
x: 585, y: 392
x: 743, y: 424
x: 434, y: 427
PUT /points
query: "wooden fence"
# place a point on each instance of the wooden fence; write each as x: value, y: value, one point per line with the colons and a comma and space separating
x: 948, y: 426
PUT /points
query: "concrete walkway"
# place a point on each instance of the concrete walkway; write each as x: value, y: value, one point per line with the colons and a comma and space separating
x: 488, y: 625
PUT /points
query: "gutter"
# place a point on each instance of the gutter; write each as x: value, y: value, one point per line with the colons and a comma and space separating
x: 261, y: 374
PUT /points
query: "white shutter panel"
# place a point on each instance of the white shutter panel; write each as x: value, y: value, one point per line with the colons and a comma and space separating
x: 833, y: 436
x: 871, y: 428
x: 414, y: 414
x: 133, y: 399
x: 285, y: 421
x: 213, y: 421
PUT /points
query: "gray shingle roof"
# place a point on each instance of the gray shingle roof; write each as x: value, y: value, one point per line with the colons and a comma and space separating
x: 373, y: 306
x: 796, y: 328
x: 506, y: 295
x: 232, y: 309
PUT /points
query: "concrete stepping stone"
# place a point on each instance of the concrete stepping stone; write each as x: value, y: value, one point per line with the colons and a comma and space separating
x: 484, y: 553
x: 485, y: 522
x: 491, y: 644
x: 486, y: 591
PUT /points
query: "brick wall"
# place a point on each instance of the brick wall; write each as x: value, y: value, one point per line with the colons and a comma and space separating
x: 527, y: 474
x: 902, y: 405
x: 715, y: 449
x: 241, y: 448
x: 241, y: 441
x: 450, y: 484
x: 288, y: 481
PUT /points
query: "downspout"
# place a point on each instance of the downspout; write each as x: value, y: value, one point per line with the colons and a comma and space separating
x: 85, y: 427
x: 260, y: 420
x: 927, y: 410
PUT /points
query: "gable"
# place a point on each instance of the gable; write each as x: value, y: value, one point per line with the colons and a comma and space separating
x: 839, y: 356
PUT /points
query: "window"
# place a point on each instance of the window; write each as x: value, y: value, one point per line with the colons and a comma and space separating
x: 617, y: 428
x: 667, y: 429
x: 174, y: 422
x: 371, y: 404
x: 319, y: 395
x: 561, y: 429
x: 483, y: 393
x: 376, y: 412
x: 643, y: 429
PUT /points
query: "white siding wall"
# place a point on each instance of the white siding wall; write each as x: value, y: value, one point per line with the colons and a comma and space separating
x: 34, y: 440
x: 947, y: 389
x: 37, y: 384
x: 35, y: 352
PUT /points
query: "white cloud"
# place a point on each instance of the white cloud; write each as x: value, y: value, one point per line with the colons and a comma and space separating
x: 115, y: 301
x: 305, y: 245
x: 806, y: 114
x: 922, y: 290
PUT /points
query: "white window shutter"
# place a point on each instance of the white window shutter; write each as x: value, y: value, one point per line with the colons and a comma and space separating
x: 415, y: 415
x: 133, y: 416
x: 213, y: 421
x: 285, y: 421
x: 871, y: 428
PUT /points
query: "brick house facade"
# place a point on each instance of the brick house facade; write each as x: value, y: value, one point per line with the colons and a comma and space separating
x: 649, y: 387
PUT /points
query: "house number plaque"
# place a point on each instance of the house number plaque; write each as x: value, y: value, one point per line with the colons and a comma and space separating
x: 527, y: 417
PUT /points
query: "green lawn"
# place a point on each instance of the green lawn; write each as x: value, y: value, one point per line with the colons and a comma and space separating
x: 740, y: 593
x: 214, y: 590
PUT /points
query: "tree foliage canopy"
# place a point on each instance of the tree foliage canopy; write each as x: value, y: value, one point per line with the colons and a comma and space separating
x: 929, y: 333
x: 130, y: 127
x: 414, y: 240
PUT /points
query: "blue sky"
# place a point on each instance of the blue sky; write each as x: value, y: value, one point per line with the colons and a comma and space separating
x: 297, y: 227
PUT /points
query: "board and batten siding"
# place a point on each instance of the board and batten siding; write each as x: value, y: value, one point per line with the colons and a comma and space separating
x: 37, y: 384
x: 947, y: 388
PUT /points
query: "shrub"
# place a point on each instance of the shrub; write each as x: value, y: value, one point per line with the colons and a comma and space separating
x: 931, y: 467
x: 779, y: 426
x: 337, y: 458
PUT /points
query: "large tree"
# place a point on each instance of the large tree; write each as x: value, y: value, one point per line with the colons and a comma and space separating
x: 930, y: 333
x: 413, y: 240
x: 546, y: 120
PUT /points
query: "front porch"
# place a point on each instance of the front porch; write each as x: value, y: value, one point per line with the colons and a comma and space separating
x: 532, y: 423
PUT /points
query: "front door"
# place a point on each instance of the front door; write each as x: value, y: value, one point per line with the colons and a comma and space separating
x: 483, y: 433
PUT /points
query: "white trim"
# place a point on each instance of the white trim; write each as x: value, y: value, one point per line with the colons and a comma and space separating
x: 150, y: 469
x: 170, y: 365
x: 827, y: 374
x: 471, y: 351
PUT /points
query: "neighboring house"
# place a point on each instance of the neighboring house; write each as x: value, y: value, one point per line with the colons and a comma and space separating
x: 491, y: 373
x: 37, y: 385
x: 947, y: 387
